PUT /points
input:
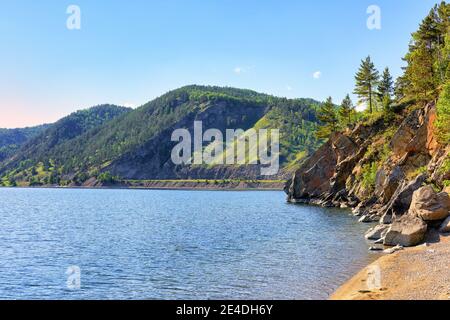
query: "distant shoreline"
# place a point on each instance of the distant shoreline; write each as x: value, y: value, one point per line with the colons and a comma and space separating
x: 188, y: 185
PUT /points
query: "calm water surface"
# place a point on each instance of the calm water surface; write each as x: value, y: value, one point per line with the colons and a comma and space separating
x: 146, y: 244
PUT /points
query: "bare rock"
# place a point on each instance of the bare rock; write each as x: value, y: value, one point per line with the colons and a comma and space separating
x: 386, y: 219
x: 387, y: 183
x: 401, y: 200
x: 393, y: 250
x: 377, y: 232
x: 367, y: 218
x: 416, y: 133
x: 407, y: 231
x: 430, y: 205
x: 445, y: 226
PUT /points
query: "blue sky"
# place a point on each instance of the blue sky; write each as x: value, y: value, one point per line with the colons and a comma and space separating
x: 129, y: 52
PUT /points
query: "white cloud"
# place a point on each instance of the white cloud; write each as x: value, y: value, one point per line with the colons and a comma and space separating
x: 317, y: 74
x: 288, y: 88
x: 238, y: 70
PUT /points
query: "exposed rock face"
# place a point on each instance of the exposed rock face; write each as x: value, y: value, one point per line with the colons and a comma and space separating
x: 416, y: 133
x: 387, y: 183
x: 407, y: 231
x: 430, y: 205
x: 341, y: 174
x: 344, y: 168
x: 436, y: 166
x: 313, y: 179
x: 326, y: 172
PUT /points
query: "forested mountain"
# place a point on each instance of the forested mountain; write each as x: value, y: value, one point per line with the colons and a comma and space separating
x: 39, y: 141
x: 137, y: 145
x: 12, y: 139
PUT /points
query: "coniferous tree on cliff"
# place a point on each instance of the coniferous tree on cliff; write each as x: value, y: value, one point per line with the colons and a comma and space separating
x: 366, y: 82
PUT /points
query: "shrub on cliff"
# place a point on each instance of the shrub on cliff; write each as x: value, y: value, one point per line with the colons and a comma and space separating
x: 369, y: 176
x: 443, y: 110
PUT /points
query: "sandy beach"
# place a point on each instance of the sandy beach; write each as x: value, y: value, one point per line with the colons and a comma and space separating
x: 419, y: 273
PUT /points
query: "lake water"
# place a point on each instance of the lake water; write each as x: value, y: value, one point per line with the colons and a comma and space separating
x: 150, y: 244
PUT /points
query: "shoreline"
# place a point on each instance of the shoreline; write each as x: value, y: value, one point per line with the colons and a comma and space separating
x: 163, y: 187
x: 417, y: 273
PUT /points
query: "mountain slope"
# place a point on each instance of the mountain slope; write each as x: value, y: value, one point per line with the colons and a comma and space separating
x: 12, y: 139
x: 33, y: 153
x: 138, y: 144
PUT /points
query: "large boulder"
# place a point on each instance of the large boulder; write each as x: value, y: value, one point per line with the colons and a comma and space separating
x: 408, y: 231
x: 430, y: 205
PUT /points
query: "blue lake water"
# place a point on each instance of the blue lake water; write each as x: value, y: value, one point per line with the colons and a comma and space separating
x: 150, y: 244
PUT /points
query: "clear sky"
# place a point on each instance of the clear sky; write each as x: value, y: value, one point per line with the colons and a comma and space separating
x: 129, y: 52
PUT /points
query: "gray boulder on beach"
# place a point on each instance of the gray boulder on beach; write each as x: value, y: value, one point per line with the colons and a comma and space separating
x: 408, y: 231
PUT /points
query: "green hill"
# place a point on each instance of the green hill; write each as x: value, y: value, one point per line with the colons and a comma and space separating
x: 137, y: 145
x: 12, y: 139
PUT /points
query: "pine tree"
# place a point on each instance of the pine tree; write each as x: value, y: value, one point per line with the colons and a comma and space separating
x: 386, y: 85
x: 386, y: 89
x: 366, y: 82
x: 400, y: 88
x: 428, y: 57
x: 346, y: 110
x: 327, y: 116
x: 420, y: 74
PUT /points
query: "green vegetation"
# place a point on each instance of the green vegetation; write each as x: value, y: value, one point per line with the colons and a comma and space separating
x: 385, y: 90
x: 328, y: 117
x: 346, y: 112
x: 36, y: 162
x: 107, y: 178
x: 369, y: 175
x: 428, y: 58
x: 445, y: 168
x: 443, y: 114
x: 12, y: 139
x: 297, y: 122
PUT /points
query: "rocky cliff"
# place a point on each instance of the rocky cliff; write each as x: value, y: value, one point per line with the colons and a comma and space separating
x: 389, y: 171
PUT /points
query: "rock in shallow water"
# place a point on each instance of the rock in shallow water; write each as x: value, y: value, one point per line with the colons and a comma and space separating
x: 407, y: 231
